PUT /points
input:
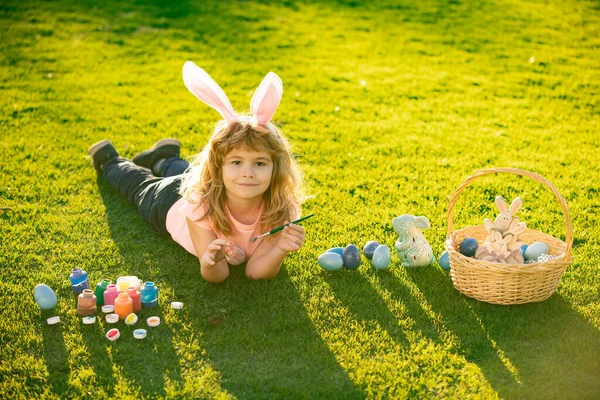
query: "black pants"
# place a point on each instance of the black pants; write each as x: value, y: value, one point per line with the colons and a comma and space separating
x: 152, y: 195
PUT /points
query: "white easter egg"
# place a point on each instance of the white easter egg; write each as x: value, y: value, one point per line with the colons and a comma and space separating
x: 381, y: 257
x: 44, y: 297
x: 534, y: 250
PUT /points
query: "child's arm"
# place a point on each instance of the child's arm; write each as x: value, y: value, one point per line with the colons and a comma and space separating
x: 211, y: 252
x: 268, y: 256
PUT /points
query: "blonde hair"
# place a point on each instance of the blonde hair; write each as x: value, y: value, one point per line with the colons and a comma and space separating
x: 203, y: 181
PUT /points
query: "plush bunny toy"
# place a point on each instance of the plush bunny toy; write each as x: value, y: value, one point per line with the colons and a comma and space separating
x: 412, y: 247
x: 506, y: 217
x: 495, y: 249
x: 502, y: 244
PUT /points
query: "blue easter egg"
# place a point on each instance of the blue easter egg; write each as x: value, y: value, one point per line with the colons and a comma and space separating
x: 381, y: 257
x: 468, y: 247
x: 444, y: 261
x: 369, y: 248
x: 535, y: 250
x: 351, y: 257
x: 44, y: 297
x: 523, y: 249
x: 338, y: 250
x: 330, y: 261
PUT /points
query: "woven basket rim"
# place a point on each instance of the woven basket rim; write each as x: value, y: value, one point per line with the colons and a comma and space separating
x: 559, y: 260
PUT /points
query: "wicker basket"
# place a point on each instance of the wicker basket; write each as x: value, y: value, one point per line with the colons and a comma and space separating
x: 499, y: 283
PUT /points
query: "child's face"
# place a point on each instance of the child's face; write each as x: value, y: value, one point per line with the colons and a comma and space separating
x: 247, y: 173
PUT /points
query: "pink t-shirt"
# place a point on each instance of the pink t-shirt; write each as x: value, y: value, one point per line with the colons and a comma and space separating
x: 177, y: 227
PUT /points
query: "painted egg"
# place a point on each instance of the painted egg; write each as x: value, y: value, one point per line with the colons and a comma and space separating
x: 444, y: 261
x: 523, y: 249
x: 338, y: 250
x: 545, y: 257
x: 468, y: 247
x: 535, y: 250
x: 330, y: 261
x: 369, y: 248
x: 381, y: 257
x: 351, y: 257
x: 44, y: 297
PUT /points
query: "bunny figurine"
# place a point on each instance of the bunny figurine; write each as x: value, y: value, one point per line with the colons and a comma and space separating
x: 412, y: 247
x: 503, y: 244
x: 506, y: 216
x: 495, y: 248
x: 514, y: 245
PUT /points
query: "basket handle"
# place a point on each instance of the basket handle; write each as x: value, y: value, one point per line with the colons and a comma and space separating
x: 515, y: 171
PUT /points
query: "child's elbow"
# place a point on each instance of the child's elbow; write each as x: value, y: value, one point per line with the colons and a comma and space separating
x: 258, y: 275
x: 255, y: 276
x: 212, y: 277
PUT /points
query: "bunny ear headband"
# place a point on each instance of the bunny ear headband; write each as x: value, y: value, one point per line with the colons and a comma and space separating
x: 263, y: 104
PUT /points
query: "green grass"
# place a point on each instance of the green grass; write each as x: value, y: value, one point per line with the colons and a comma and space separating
x: 450, y: 87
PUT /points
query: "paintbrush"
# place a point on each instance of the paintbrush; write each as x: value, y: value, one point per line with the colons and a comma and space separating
x: 272, y: 231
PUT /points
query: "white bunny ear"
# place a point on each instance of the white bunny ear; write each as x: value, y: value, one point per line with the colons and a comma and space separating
x: 515, y: 206
x: 266, y: 99
x: 501, y: 204
x: 206, y: 89
x: 422, y: 222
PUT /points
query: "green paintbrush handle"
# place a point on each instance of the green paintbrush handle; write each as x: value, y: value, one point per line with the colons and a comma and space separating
x: 272, y: 231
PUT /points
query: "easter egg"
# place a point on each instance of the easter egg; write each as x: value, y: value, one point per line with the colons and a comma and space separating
x: 468, y: 247
x: 338, y: 250
x: 545, y: 257
x: 523, y: 248
x: 351, y: 257
x: 381, y: 257
x: 330, y: 261
x: 44, y: 297
x: 535, y: 250
x: 369, y: 248
x: 444, y: 261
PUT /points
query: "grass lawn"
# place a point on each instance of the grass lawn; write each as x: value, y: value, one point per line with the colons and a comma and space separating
x: 390, y: 105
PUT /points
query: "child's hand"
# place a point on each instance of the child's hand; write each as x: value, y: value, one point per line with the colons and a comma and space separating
x: 217, y: 250
x: 291, y: 238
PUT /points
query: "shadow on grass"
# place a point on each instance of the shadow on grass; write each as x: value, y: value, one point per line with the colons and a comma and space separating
x: 537, y: 350
x: 257, y: 334
x: 96, y: 346
x: 148, y: 362
x: 352, y: 290
x: 55, y: 355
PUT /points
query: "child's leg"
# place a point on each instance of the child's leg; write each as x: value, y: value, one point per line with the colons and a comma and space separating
x: 152, y: 196
x: 170, y: 167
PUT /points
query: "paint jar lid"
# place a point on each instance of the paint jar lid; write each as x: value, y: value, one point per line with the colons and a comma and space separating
x: 108, y: 309
x: 112, y: 318
x: 131, y: 319
x: 139, y: 333
x: 153, y: 321
x: 113, y: 334
x: 53, y: 320
x: 176, y: 305
x: 89, y: 320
